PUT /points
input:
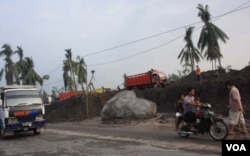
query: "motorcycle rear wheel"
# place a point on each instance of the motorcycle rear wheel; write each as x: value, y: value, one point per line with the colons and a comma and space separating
x: 181, y: 125
x: 219, y: 130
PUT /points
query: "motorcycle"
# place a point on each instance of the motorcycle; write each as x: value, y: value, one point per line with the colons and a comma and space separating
x: 206, y: 122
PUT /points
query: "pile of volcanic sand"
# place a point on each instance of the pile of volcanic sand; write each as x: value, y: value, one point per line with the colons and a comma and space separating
x: 211, y: 89
x: 76, y: 108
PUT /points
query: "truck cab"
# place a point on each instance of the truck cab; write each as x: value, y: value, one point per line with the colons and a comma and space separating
x: 21, y: 109
x: 159, y: 79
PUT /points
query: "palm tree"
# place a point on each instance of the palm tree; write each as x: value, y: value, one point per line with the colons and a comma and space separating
x: 189, y: 54
x: 91, y: 81
x: 186, y: 69
x: 1, y: 74
x: 70, y: 67
x: 209, y: 36
x: 20, y: 65
x: 66, y: 77
x: 69, y: 84
x: 22, y: 70
x: 45, y: 77
x: 9, y: 68
x: 31, y: 76
x: 81, y: 71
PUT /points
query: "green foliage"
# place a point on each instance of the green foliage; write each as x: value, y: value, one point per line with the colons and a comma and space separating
x: 189, y: 54
x: 74, y: 72
x: 20, y: 72
x: 209, y: 36
x: 175, y: 77
x: 208, y: 41
x: 9, y: 68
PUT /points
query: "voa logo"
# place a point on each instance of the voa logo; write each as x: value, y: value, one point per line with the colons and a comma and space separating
x: 236, y: 147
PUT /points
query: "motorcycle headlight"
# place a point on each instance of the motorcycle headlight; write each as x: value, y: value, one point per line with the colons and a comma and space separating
x: 12, y: 120
x: 39, y: 118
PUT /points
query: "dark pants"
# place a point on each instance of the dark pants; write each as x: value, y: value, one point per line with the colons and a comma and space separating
x: 189, y: 117
x: 198, y: 77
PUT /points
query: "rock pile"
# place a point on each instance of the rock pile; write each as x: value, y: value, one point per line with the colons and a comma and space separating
x: 125, y: 105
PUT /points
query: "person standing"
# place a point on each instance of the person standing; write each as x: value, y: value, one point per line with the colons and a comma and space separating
x: 179, y: 110
x: 236, y: 112
x: 198, y: 73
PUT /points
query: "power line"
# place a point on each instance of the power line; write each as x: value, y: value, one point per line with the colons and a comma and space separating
x: 162, y: 33
x: 152, y: 36
x: 156, y: 47
x: 239, y: 7
x: 132, y: 42
x: 234, y: 10
x: 54, y: 69
x: 140, y: 53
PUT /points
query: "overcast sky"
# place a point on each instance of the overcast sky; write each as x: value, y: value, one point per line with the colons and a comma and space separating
x: 45, y: 28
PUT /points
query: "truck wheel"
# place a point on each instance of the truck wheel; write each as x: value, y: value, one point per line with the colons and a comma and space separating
x: 155, y: 86
x: 36, y: 132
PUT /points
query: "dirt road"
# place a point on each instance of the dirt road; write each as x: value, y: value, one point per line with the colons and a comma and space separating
x: 71, y: 143
x: 150, y: 132
x: 92, y: 138
x: 162, y: 137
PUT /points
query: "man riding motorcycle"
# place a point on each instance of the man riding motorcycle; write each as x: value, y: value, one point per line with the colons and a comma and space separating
x: 199, y: 119
x: 190, y: 108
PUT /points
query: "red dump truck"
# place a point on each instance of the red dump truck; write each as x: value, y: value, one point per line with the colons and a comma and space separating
x: 66, y: 95
x: 151, y: 79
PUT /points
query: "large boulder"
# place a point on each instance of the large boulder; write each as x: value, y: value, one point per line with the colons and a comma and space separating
x: 125, y: 104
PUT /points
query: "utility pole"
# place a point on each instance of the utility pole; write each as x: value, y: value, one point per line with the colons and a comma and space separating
x: 87, y: 98
x: 88, y: 88
x: 91, y: 85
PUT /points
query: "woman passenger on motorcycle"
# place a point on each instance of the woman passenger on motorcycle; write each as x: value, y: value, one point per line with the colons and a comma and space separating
x: 189, y: 106
x: 179, y: 110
